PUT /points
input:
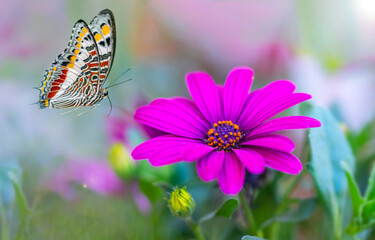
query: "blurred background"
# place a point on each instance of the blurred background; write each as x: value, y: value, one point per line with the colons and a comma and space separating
x: 63, y: 161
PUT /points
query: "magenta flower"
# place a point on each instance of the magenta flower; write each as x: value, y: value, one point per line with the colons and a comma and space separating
x: 225, y: 130
x: 94, y: 174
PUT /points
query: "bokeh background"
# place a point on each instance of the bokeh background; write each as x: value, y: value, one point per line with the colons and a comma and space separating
x: 326, y: 47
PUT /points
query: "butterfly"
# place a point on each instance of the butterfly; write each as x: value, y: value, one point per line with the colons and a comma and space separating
x: 77, y: 75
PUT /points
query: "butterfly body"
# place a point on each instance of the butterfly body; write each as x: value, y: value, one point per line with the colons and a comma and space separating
x: 77, y: 75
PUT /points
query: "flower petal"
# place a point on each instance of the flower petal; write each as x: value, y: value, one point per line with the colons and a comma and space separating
x: 260, y: 98
x: 148, y: 148
x: 236, y: 89
x: 276, y: 107
x: 209, y: 166
x: 196, y: 151
x: 252, y: 160
x: 232, y: 175
x: 274, y: 141
x: 283, y: 123
x: 206, y: 95
x: 168, y: 155
x: 151, y: 132
x: 177, y: 116
x: 281, y: 161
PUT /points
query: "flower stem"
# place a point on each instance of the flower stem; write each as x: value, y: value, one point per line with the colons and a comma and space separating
x: 253, y: 229
x: 196, y: 228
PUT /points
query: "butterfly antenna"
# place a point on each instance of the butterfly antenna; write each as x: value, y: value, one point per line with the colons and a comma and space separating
x: 37, y: 102
x: 127, y: 70
x: 110, y: 103
x: 119, y: 83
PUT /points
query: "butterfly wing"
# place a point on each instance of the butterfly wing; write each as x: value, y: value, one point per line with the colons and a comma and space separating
x: 74, y: 75
x: 103, y: 29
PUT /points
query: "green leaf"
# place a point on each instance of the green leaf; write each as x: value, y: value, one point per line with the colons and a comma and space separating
x: 365, y: 134
x: 368, y: 212
x: 366, y: 220
x: 225, y: 210
x: 7, y: 192
x: 247, y: 237
x: 302, y: 212
x: 149, y: 189
x: 370, y: 191
x: 355, y: 195
x: 23, y: 208
x: 7, y: 195
x: 4, y: 234
x: 146, y: 171
x: 329, y: 147
x: 354, y: 227
x: 358, y: 140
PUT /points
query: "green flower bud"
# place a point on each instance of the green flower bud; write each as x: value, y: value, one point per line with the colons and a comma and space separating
x: 181, y: 203
x: 121, y: 160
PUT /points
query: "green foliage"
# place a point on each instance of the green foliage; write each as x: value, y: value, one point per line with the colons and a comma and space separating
x: 247, y: 237
x: 144, y: 170
x: 355, y: 195
x: 23, y: 208
x: 359, y: 140
x: 88, y: 217
x: 368, y: 212
x: 329, y: 147
x: 266, y: 202
x: 149, y: 189
x: 363, y: 208
x: 95, y: 216
x: 363, y: 144
x: 225, y: 210
x: 370, y: 191
x: 302, y: 212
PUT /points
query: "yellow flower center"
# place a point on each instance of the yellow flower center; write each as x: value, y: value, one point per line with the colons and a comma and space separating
x: 224, y: 135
